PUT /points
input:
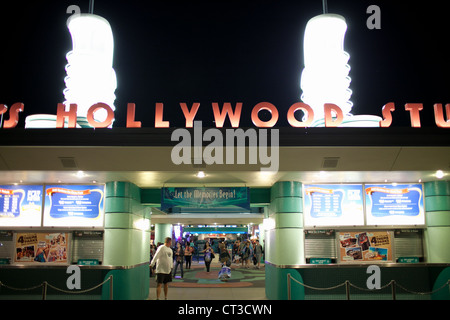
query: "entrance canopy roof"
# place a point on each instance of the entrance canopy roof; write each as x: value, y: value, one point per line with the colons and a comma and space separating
x: 143, y: 156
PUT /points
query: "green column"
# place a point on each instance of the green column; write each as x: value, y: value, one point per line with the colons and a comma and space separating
x: 162, y: 231
x: 285, y: 240
x: 437, y: 215
x: 127, y: 240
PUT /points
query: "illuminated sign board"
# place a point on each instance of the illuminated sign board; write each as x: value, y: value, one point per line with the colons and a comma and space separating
x: 21, y: 205
x: 400, y: 204
x: 333, y: 205
x: 74, y: 205
x: 226, y: 111
x: 212, y: 197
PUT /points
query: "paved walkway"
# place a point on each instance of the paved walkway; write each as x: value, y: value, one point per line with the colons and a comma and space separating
x: 197, y: 284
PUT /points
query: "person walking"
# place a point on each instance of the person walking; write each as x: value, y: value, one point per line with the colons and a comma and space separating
x: 247, y: 253
x: 179, y: 254
x: 224, y: 257
x: 241, y: 252
x: 209, y: 255
x: 188, y: 254
x: 163, y: 260
x: 258, y: 254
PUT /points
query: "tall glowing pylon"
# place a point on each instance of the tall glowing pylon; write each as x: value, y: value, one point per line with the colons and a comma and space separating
x: 90, y: 76
x: 325, y: 77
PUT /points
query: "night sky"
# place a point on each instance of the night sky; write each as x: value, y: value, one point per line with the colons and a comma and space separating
x: 246, y: 51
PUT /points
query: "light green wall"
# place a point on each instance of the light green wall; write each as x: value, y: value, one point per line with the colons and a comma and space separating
x: 437, y: 234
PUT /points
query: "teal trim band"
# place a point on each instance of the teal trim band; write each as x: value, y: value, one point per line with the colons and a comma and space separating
x: 286, y: 204
x: 437, y: 188
x: 437, y: 203
x: 123, y: 189
x: 286, y: 189
x: 117, y: 204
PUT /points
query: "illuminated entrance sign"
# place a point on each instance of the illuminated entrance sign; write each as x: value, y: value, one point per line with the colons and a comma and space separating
x: 333, y: 115
x: 205, y: 197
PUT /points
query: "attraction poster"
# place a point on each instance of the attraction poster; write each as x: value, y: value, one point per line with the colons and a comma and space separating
x: 40, y: 247
x: 365, y: 246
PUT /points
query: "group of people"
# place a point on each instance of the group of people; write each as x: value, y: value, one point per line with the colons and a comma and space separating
x: 167, y: 259
x: 246, y: 251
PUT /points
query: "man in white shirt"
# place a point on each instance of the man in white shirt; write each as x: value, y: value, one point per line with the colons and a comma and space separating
x: 164, y: 263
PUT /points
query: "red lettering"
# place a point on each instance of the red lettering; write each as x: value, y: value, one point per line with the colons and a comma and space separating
x: 189, y: 115
x: 62, y: 114
x: 13, y: 115
x: 439, y: 115
x: 329, y: 108
x: 159, y: 122
x: 387, y: 115
x: 414, y: 109
x: 105, y: 123
x: 234, y: 116
x: 264, y: 106
x: 300, y: 106
x: 131, y: 113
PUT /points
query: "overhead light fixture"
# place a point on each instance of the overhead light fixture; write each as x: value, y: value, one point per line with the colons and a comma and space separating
x: 80, y: 174
x: 90, y: 77
x: 439, y: 174
x: 200, y: 174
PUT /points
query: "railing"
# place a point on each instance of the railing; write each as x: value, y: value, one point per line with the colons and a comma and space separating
x: 45, y: 285
x: 393, y: 284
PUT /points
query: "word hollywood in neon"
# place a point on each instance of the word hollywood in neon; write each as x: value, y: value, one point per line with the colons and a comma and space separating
x: 333, y: 115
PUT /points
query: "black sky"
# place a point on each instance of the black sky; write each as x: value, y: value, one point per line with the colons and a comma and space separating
x: 247, y: 51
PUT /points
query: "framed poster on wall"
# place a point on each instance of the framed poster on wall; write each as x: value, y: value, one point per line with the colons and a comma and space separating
x: 400, y: 204
x: 365, y: 246
x: 39, y: 247
x: 74, y: 205
x: 333, y: 205
x: 21, y: 205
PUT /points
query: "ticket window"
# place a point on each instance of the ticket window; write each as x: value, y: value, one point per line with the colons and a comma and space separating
x: 320, y: 247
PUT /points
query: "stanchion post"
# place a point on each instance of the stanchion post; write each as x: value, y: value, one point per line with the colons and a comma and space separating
x: 289, y: 285
x: 394, y: 294
x: 347, y: 289
x: 110, y: 287
x: 44, y: 290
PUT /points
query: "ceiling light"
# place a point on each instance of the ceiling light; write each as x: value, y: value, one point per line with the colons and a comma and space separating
x: 439, y: 174
x: 80, y: 174
x: 201, y: 174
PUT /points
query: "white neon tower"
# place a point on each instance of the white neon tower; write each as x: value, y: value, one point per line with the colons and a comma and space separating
x: 325, y: 76
x: 90, y: 75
